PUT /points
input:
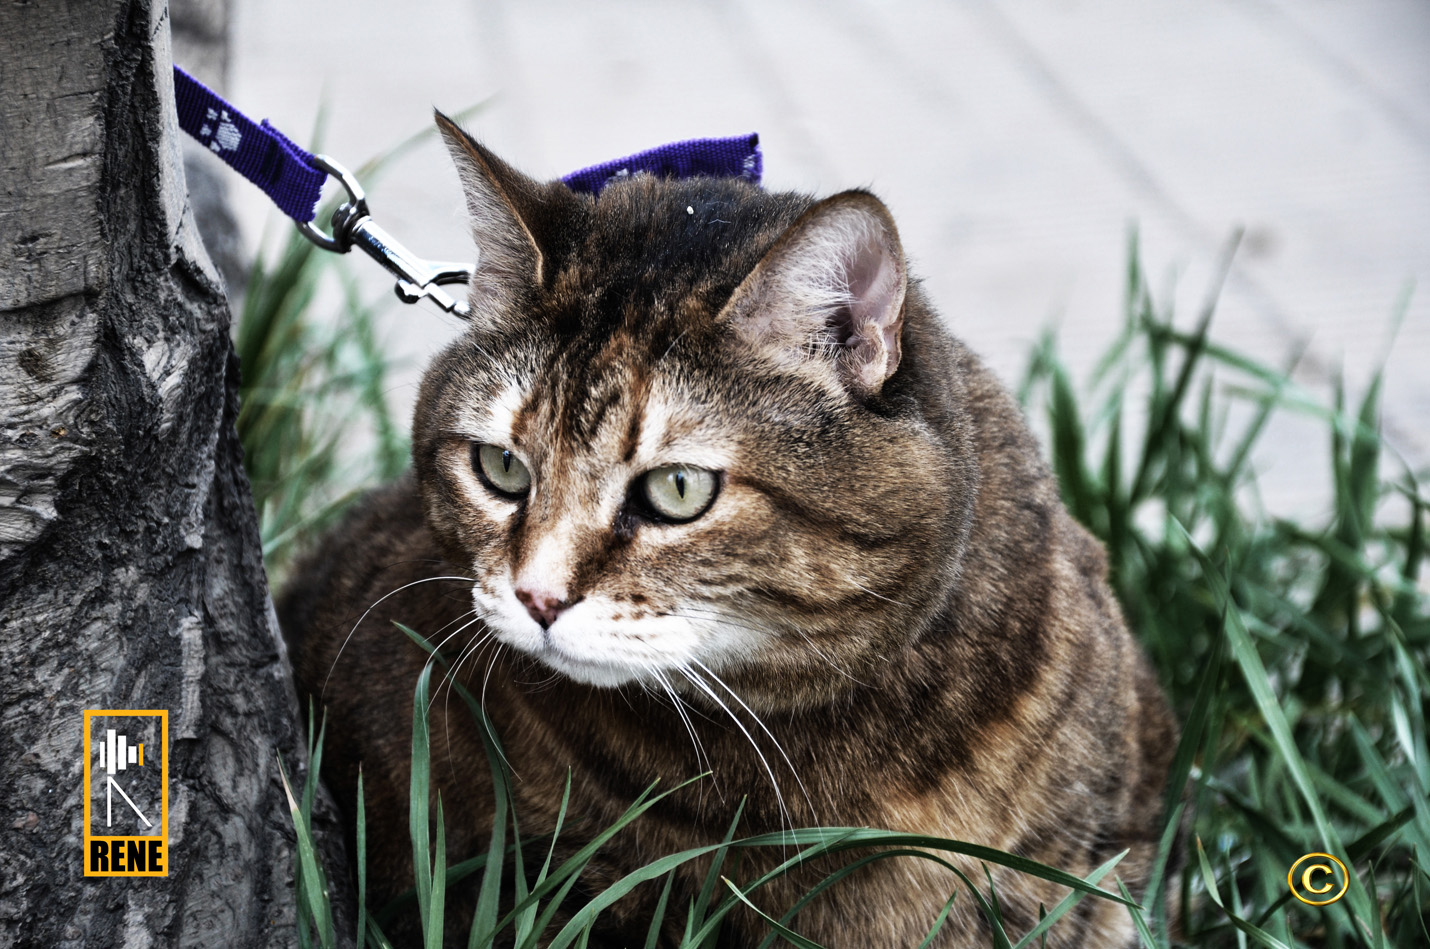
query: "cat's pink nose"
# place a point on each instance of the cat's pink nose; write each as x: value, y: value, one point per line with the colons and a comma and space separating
x: 543, y: 605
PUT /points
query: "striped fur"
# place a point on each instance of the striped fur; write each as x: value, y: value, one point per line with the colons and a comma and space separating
x: 885, y: 618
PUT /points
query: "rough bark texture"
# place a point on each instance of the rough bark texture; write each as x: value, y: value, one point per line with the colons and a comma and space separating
x: 130, y: 567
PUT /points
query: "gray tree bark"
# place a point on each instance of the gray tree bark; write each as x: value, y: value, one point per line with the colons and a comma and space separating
x: 130, y: 567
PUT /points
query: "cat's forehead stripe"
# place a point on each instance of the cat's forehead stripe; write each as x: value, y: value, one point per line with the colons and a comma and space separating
x: 503, y: 411
x: 633, y: 432
x: 655, y: 432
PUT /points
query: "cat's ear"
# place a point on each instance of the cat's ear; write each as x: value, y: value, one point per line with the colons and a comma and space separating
x: 831, y: 288
x: 501, y: 202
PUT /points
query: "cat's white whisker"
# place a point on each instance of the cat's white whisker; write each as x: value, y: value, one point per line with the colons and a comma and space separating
x: 715, y: 616
x: 700, y: 755
x: 477, y: 615
x: 470, y: 650
x: 491, y: 664
x: 878, y: 596
x: 437, y: 647
x: 482, y: 703
x: 677, y: 339
x: 785, y: 817
x: 376, y: 603
x: 809, y: 641
x: 758, y: 721
x: 481, y: 616
x: 452, y: 669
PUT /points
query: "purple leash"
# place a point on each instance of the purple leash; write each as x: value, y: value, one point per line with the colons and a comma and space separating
x: 261, y: 153
x: 293, y: 178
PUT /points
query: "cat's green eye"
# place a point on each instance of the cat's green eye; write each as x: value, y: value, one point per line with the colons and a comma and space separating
x: 501, y: 470
x: 679, y: 492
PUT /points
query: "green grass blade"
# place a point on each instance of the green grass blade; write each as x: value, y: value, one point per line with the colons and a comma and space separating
x: 1195, y: 728
x: 361, y: 864
x: 553, y: 906
x: 789, y: 935
x: 844, y: 871
x: 825, y: 841
x: 1157, y: 879
x: 1209, y: 879
x: 527, y: 923
x: 652, y: 935
x: 435, y: 918
x: 1139, y: 922
x: 1071, y: 900
x: 419, y: 824
x: 376, y: 935
x: 1405, y: 599
x: 712, y: 878
x: 1069, y: 443
x: 485, y: 919
x: 313, y: 891
x: 527, y: 917
x: 995, y: 914
x: 939, y: 921
x: 1160, y: 424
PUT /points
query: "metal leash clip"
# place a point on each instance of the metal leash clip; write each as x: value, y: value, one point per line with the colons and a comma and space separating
x: 353, y: 226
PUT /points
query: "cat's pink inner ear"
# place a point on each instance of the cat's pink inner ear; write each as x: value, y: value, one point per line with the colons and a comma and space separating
x: 831, y: 292
x: 877, y: 284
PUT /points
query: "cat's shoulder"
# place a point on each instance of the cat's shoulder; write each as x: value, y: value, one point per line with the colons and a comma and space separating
x: 380, y: 544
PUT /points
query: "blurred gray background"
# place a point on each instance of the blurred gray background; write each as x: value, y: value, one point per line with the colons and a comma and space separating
x: 1018, y: 143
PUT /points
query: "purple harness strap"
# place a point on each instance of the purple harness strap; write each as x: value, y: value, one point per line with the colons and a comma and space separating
x: 737, y: 157
x: 261, y: 153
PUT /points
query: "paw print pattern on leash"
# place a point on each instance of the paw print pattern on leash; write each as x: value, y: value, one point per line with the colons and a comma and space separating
x: 226, y: 138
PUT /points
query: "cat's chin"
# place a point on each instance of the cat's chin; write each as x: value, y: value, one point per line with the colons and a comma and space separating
x: 599, y: 674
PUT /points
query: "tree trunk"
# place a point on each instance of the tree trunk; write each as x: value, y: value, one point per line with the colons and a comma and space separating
x: 130, y: 566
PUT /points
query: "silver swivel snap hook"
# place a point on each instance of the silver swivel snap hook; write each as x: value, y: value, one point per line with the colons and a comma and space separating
x: 353, y: 226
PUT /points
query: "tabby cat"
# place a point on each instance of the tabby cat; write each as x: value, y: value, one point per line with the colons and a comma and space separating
x: 708, y: 485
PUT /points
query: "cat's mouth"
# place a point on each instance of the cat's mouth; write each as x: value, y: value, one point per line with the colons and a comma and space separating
x: 578, y: 645
x: 598, y: 642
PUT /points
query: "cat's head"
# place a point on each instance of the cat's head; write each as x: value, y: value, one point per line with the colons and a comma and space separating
x: 696, y: 428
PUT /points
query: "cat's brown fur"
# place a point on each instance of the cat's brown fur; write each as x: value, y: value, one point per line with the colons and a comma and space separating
x: 896, y: 589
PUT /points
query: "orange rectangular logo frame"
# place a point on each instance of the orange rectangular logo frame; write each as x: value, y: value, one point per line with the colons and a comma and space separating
x: 163, y: 716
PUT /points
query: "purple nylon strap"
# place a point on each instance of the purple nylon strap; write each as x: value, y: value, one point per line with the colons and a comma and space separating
x: 261, y: 153
x: 288, y: 175
x: 737, y: 157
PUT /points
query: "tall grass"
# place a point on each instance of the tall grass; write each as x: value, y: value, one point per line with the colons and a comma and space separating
x: 1294, y: 651
x: 312, y: 388
x: 308, y: 388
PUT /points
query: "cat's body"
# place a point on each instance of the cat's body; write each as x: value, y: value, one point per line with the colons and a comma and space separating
x: 863, y: 551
